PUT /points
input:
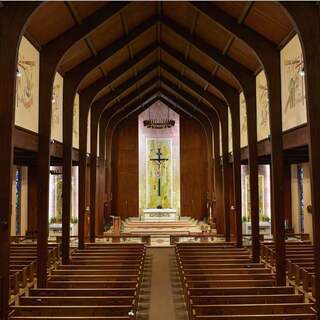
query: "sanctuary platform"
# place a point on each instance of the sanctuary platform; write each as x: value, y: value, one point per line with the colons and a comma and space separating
x: 161, y: 229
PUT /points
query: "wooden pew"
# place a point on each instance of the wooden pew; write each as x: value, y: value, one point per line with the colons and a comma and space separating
x: 226, y: 285
x: 101, y: 282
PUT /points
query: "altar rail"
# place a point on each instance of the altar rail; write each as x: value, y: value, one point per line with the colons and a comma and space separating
x: 125, y: 237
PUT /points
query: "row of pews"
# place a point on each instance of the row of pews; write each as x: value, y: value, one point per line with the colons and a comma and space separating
x: 299, y: 262
x: 23, y: 264
x: 102, y: 281
x: 220, y: 282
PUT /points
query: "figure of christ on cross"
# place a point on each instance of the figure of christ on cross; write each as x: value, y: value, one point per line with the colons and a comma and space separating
x: 158, y: 161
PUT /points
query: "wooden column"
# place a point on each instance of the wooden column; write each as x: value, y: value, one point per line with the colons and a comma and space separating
x: 84, y: 107
x: 250, y: 96
x: 236, y: 154
x: 69, y: 91
x: 13, y: 22
x: 93, y: 173
x: 277, y: 164
x: 218, y: 182
x: 47, y: 73
x: 307, y: 24
x: 225, y: 180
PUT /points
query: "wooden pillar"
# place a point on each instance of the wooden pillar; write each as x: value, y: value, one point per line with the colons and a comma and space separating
x: 84, y: 106
x: 236, y: 155
x: 217, y: 176
x: 93, y: 173
x: 46, y: 79
x: 277, y: 164
x: 250, y: 96
x: 69, y: 91
x: 13, y: 22
x: 225, y: 181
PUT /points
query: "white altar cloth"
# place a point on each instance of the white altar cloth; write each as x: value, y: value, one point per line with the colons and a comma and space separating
x: 159, y: 215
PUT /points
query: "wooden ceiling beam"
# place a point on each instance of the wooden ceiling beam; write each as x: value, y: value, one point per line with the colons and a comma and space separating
x: 104, y: 101
x: 252, y: 38
x: 81, y: 70
x: 88, y: 25
x: 214, y: 101
x: 221, y: 86
x: 240, y: 73
x: 95, y: 88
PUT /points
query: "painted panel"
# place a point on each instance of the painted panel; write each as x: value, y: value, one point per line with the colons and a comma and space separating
x: 263, y: 127
x: 75, y: 139
x: 292, y: 85
x: 159, y: 173
x: 57, y: 109
x: 27, y: 91
x: 243, y: 122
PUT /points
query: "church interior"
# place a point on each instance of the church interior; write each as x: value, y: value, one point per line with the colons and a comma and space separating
x: 159, y: 160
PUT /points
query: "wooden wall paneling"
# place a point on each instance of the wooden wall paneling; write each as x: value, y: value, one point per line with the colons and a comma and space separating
x: 309, y: 36
x: 269, y: 58
x: 193, y: 169
x: 14, y: 19
x: 125, y: 169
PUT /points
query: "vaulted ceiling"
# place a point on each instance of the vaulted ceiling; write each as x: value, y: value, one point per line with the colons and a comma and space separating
x: 178, y: 46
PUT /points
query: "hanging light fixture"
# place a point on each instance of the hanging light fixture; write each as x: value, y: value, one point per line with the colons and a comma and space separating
x: 18, y: 73
x: 163, y: 123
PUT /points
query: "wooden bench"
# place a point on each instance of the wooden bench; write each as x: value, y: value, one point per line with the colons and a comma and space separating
x: 101, y: 282
x: 227, y: 285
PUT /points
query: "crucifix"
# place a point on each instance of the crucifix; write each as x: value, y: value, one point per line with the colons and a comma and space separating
x: 158, y: 161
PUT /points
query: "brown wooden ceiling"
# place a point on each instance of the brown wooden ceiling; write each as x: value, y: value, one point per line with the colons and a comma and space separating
x: 55, y: 18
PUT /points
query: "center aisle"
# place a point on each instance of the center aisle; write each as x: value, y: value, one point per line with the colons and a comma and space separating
x: 166, y: 299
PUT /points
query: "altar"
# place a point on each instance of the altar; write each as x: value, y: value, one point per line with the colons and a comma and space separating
x: 159, y: 215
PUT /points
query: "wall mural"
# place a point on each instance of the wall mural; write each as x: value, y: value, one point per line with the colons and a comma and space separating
x: 57, y: 109
x: 230, y: 130
x: 292, y: 85
x: 263, y: 128
x: 159, y: 173
x: 243, y: 121
x: 27, y: 91
x: 75, y: 139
